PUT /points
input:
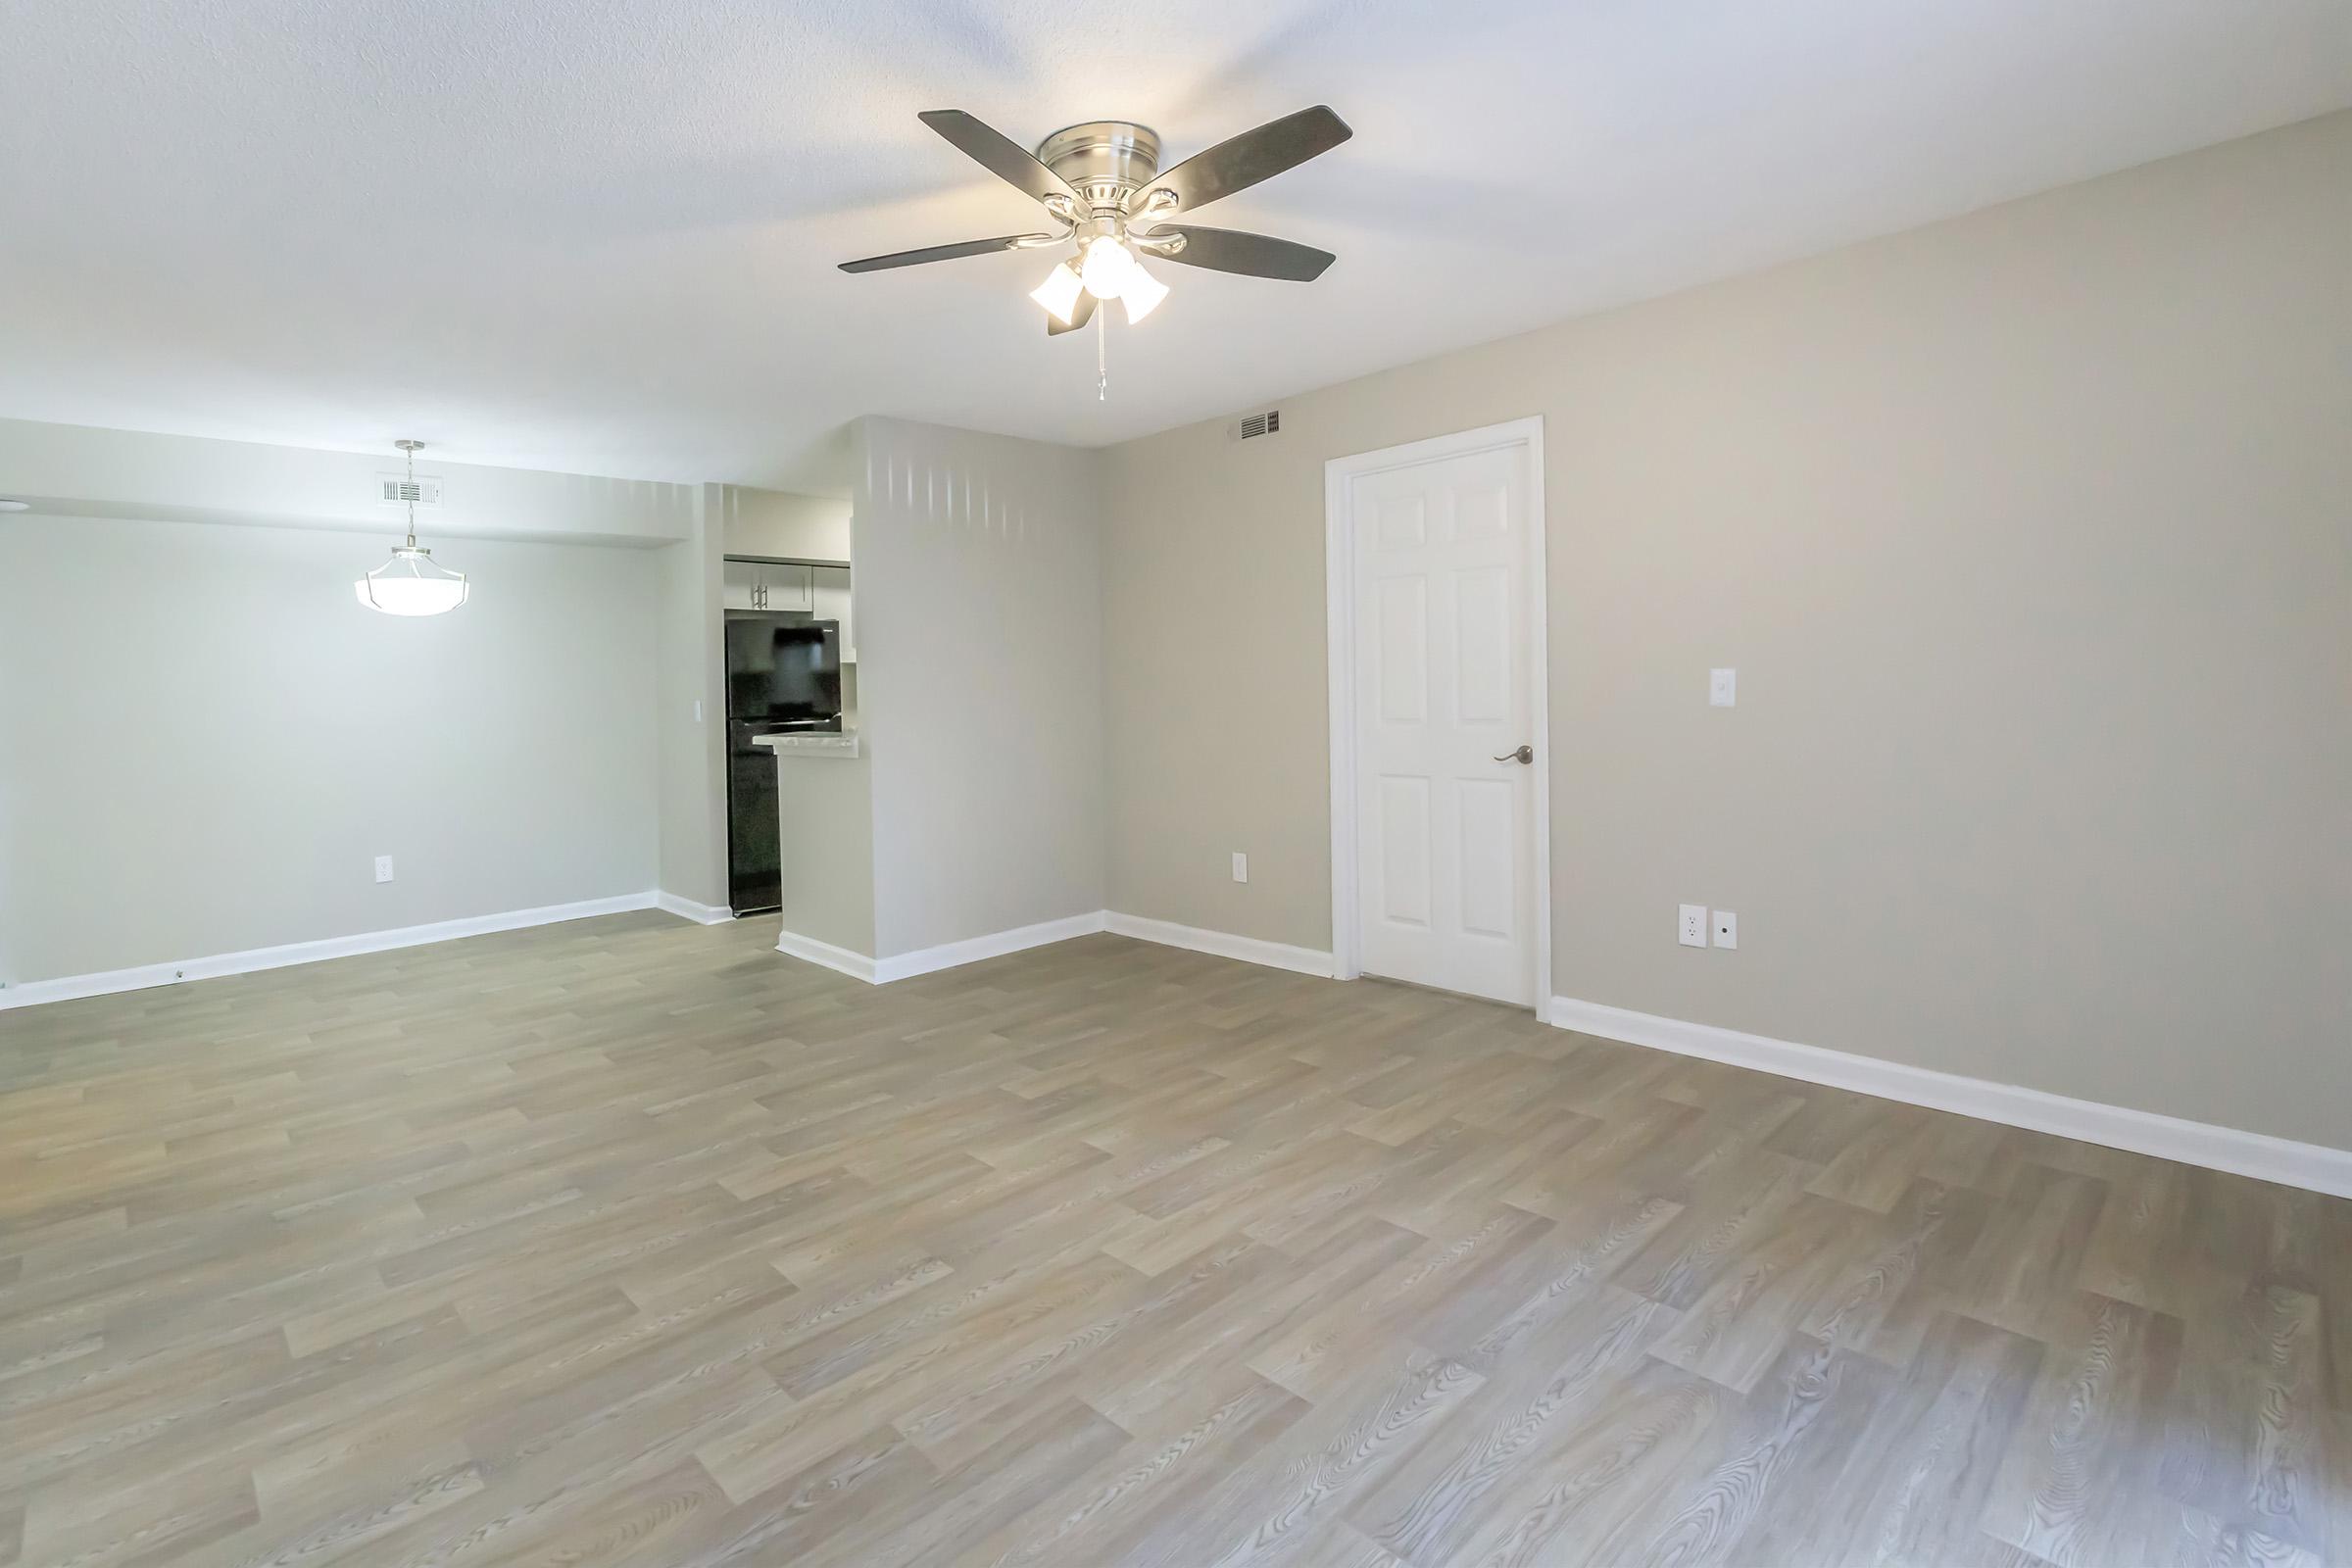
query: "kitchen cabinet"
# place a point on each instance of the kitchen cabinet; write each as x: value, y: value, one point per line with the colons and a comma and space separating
x: 766, y: 585
x: 831, y: 586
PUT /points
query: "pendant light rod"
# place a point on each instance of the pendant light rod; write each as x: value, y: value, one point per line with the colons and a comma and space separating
x: 409, y: 490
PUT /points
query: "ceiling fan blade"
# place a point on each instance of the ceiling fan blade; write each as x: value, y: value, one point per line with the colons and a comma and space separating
x: 1230, y: 250
x: 1080, y: 315
x: 1241, y: 162
x: 1001, y: 157
x: 944, y: 253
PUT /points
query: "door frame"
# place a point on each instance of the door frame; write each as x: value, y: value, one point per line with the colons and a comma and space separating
x: 1339, y: 576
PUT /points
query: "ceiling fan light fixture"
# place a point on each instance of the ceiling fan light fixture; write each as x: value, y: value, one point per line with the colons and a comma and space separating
x: 1058, y: 293
x: 1102, y: 183
x: 1108, y: 266
x: 1141, y: 294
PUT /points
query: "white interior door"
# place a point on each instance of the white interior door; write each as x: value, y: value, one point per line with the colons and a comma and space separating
x: 1446, y: 831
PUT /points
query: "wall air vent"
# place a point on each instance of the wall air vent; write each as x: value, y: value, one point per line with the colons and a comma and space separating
x: 1251, y: 427
x: 398, y: 490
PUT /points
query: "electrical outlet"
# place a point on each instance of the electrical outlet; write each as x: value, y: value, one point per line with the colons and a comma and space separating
x: 1241, y: 866
x: 1727, y: 929
x: 1723, y: 688
x: 383, y: 868
x: 1694, y: 925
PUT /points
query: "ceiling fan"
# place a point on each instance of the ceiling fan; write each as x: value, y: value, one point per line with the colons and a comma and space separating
x: 1102, y: 183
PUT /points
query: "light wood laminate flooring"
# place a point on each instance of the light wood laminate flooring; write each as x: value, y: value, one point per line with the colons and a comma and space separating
x: 630, y: 1242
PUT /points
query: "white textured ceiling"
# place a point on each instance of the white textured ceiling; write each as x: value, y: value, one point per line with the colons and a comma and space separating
x: 600, y: 235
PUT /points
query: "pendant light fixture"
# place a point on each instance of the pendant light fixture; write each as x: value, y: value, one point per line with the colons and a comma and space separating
x: 410, y: 583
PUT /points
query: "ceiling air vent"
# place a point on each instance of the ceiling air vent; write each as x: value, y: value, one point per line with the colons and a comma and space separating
x: 1252, y: 426
x: 397, y: 490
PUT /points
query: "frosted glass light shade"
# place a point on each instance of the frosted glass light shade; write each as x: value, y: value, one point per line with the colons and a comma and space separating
x: 1108, y: 266
x: 410, y: 585
x: 1141, y: 294
x: 1058, y: 293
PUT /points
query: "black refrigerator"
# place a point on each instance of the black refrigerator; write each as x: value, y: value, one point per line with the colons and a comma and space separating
x: 783, y: 675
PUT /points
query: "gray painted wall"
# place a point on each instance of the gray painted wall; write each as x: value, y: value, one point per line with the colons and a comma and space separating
x: 204, y: 741
x: 828, y: 849
x: 77, y: 470
x: 692, y: 743
x: 2031, y: 536
x: 980, y: 682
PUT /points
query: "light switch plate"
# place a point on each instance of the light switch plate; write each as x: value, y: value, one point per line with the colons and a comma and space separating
x: 1694, y: 925
x: 1241, y: 866
x: 383, y: 868
x: 1727, y: 929
x: 1723, y: 688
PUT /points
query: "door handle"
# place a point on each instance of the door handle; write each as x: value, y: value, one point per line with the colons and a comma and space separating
x: 1525, y: 754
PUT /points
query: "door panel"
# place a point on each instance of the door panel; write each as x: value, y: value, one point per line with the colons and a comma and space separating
x: 1404, y: 651
x: 1482, y: 666
x: 1446, y: 833
x: 1488, y: 880
x: 1403, y: 523
x: 1403, y: 893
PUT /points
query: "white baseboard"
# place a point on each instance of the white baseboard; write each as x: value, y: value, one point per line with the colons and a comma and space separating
x: 1225, y: 945
x: 947, y: 956
x: 857, y: 966
x: 951, y: 955
x: 2310, y: 1166
x: 68, y: 987
x: 688, y: 909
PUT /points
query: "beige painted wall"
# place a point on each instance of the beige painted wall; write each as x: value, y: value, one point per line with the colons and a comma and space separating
x: 204, y: 741
x: 980, y: 680
x: 2030, y: 537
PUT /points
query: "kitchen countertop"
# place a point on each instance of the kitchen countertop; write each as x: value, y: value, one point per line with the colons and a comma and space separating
x: 810, y: 743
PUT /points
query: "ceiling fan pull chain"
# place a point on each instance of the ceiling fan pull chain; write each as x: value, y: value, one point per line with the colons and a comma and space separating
x: 1102, y: 356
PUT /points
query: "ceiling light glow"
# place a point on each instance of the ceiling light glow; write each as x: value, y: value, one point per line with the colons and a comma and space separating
x: 410, y: 585
x: 1108, y: 266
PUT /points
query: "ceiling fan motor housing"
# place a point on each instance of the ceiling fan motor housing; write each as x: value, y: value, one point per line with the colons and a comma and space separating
x: 1102, y: 160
